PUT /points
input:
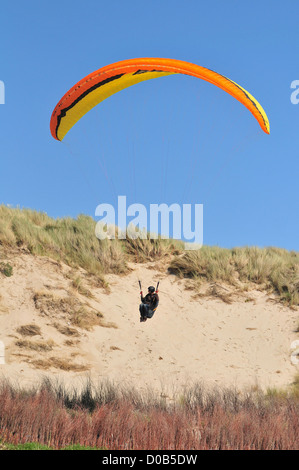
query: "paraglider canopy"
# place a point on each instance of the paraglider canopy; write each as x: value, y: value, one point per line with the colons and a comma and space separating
x: 106, y: 81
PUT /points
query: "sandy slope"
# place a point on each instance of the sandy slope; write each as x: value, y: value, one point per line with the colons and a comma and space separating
x: 244, y: 343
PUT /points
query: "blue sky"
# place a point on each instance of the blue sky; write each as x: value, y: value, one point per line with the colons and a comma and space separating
x: 173, y: 140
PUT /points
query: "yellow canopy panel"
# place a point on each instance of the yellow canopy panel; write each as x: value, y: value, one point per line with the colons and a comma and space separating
x: 112, y: 78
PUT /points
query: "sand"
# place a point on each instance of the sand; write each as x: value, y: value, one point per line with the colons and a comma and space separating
x: 246, y: 343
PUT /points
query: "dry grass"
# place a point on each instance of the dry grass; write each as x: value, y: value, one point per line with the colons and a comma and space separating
x: 143, y: 250
x: 58, y: 363
x: 116, y: 418
x: 73, y: 242
x: 71, y: 343
x: 66, y: 330
x: 3, y: 309
x: 115, y: 348
x: 29, y: 330
x: 41, y: 346
x: 271, y: 269
x: 80, y: 288
x: 70, y: 309
x: 226, y: 293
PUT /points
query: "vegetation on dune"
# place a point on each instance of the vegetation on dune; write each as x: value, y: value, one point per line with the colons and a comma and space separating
x: 269, y: 268
x: 77, y: 313
x: 113, y: 417
x: 109, y: 417
x: 73, y: 242
x: 6, y: 269
x: 143, y: 250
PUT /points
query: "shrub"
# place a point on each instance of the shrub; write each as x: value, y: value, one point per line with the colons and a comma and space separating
x: 6, y: 269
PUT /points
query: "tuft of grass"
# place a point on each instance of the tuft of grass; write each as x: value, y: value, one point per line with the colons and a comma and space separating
x: 78, y: 285
x: 64, y: 364
x: 70, y: 342
x: 36, y: 345
x: 142, y: 250
x: 29, y: 330
x: 66, y: 330
x: 68, y: 308
x: 208, y: 263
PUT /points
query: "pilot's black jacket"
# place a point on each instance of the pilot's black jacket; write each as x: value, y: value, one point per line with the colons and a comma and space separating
x: 151, y: 300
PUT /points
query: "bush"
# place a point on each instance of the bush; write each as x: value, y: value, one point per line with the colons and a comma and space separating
x: 6, y: 269
x: 113, y: 418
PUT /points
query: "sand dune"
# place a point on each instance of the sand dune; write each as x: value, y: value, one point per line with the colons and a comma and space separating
x: 244, y: 343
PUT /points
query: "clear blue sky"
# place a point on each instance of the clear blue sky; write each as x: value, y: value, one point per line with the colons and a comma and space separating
x: 175, y: 139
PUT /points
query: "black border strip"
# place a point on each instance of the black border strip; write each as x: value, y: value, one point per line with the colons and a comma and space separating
x: 63, y: 111
x: 245, y: 93
x: 140, y: 71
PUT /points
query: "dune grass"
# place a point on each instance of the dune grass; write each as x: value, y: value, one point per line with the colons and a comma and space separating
x: 36, y: 345
x: 69, y: 240
x: 29, y: 330
x: 270, y: 268
x: 69, y: 308
x: 73, y: 242
x: 142, y: 250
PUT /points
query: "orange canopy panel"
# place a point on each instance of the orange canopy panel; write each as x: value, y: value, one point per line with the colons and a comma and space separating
x: 102, y: 83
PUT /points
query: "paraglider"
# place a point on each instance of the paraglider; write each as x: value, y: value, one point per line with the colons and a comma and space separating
x: 106, y: 81
x: 149, y: 303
